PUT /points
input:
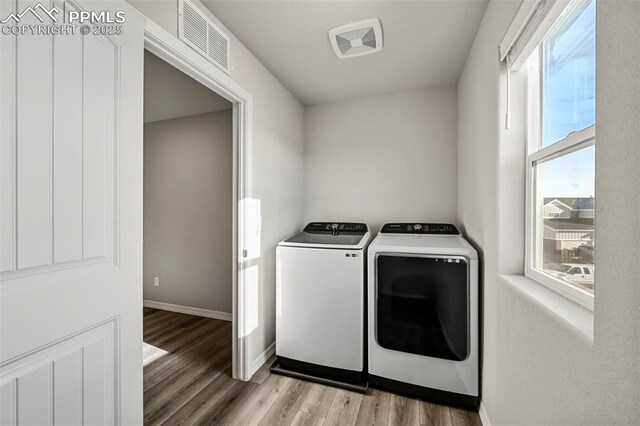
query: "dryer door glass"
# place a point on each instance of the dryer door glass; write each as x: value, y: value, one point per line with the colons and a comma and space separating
x: 422, y: 306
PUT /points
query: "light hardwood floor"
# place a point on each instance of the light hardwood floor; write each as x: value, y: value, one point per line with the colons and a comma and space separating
x: 187, y: 380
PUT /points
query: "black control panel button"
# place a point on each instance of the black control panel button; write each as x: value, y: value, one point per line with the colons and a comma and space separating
x: 336, y: 227
x: 420, y: 228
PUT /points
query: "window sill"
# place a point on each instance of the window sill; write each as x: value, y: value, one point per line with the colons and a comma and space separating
x: 571, y: 315
x: 563, y: 289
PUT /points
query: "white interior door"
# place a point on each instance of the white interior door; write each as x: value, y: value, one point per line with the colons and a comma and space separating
x: 71, y: 221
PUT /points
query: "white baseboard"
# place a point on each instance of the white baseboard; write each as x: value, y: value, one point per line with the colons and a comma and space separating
x: 262, y: 358
x: 207, y: 313
x: 484, y: 416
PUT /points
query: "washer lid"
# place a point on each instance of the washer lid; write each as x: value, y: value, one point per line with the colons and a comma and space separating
x: 341, y: 235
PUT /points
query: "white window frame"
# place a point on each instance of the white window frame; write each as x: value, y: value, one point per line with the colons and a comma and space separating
x: 536, y: 154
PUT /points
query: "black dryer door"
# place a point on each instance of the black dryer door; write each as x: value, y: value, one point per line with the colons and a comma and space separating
x: 422, y: 305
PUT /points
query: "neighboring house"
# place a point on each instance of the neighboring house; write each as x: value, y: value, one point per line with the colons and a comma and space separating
x: 569, y: 208
x: 568, y: 230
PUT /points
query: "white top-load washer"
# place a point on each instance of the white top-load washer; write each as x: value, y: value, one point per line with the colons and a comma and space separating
x: 320, y: 304
x: 423, y: 313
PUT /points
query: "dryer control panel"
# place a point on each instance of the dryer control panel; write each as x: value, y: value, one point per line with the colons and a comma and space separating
x: 335, y: 227
x: 420, y: 228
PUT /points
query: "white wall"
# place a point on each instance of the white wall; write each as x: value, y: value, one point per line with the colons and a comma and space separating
x: 183, y: 97
x: 388, y: 158
x: 188, y: 210
x: 277, y: 172
x: 546, y: 360
x: 477, y: 172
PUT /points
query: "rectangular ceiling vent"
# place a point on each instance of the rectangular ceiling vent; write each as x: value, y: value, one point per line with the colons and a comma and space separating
x: 198, y: 31
x: 356, y: 39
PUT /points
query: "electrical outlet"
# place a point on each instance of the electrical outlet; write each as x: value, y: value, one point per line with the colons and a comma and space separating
x: 156, y: 281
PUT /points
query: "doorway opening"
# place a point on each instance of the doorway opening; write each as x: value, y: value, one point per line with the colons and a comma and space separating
x: 166, y: 47
x: 188, y: 236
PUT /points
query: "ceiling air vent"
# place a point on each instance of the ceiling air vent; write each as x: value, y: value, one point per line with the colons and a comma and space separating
x: 198, y: 31
x: 357, y: 39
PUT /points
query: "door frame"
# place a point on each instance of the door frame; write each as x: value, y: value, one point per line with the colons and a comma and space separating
x: 170, y: 49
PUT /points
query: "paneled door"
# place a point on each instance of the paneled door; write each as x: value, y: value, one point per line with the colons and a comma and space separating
x: 70, y: 215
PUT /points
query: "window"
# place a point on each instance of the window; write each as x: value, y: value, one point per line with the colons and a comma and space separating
x: 561, y: 155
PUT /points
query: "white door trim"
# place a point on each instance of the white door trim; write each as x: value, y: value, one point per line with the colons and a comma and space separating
x: 170, y: 49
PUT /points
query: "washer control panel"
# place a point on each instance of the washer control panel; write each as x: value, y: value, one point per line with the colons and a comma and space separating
x: 336, y: 227
x: 420, y: 228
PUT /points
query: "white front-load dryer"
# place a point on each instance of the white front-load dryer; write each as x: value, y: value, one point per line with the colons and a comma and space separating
x: 423, y: 313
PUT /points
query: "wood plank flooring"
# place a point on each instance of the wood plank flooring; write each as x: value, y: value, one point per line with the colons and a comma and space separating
x: 187, y: 381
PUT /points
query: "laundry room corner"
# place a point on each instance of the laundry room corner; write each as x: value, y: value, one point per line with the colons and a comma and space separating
x: 381, y: 157
x: 286, y: 212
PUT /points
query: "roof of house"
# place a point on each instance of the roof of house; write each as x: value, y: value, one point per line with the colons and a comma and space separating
x: 576, y: 203
x: 577, y: 224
